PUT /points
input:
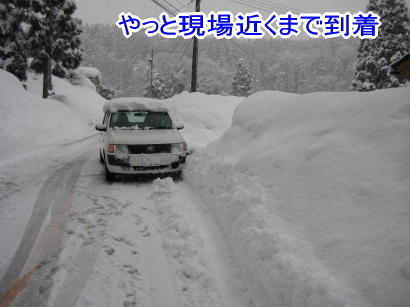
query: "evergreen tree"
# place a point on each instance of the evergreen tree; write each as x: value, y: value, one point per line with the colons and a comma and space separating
x: 53, y: 35
x: 13, y: 57
x: 159, y: 88
x: 106, y: 92
x: 393, y: 41
x: 241, y: 85
x: 59, y: 71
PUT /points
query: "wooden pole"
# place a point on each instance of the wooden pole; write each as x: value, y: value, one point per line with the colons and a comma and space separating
x: 151, y: 67
x: 195, y: 55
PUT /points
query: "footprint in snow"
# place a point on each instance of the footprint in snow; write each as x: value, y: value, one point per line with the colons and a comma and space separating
x: 109, y: 251
x: 144, y: 231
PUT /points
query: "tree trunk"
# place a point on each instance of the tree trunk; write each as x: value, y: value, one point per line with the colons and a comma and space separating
x: 50, y: 75
x: 46, y: 77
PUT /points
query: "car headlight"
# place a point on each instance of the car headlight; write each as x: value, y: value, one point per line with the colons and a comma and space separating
x: 179, y: 147
x: 118, y: 149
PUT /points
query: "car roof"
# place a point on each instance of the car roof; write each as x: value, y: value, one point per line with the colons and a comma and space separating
x: 134, y: 104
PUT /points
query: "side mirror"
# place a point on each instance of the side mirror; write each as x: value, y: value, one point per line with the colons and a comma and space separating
x: 179, y: 125
x: 101, y: 127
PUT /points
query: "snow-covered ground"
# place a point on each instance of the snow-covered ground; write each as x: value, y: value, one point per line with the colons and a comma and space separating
x: 313, y: 192
x: 27, y: 118
x: 287, y: 200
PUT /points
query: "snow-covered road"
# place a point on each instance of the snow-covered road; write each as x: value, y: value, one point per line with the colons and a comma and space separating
x: 79, y: 241
x: 287, y: 200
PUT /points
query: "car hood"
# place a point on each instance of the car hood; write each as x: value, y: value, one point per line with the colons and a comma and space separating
x: 138, y: 137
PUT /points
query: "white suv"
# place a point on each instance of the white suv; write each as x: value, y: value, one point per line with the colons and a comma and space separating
x: 139, y: 137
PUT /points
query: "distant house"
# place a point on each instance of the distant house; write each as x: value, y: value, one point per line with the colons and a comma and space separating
x: 400, y: 67
x: 91, y: 73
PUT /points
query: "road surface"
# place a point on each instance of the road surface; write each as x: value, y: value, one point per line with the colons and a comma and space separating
x: 69, y: 238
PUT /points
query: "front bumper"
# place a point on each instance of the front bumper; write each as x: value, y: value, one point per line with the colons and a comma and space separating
x: 146, y: 164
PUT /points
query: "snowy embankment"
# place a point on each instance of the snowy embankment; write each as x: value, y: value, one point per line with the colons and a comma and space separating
x: 30, y: 123
x: 313, y: 192
x: 205, y: 117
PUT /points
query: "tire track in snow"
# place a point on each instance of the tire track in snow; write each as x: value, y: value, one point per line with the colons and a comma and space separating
x: 205, y: 271
x: 114, y: 256
x: 157, y: 286
x: 81, y: 252
x: 41, y: 244
x: 233, y: 290
x: 114, y: 236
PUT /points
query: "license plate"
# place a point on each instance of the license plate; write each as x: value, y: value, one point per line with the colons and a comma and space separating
x: 148, y: 160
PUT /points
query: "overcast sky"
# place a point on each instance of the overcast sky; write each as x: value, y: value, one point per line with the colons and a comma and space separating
x: 107, y: 11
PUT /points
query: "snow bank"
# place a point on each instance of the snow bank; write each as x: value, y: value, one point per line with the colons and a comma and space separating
x: 28, y: 119
x: 313, y: 192
x: 90, y: 72
x: 135, y: 103
x: 205, y: 117
x: 30, y: 122
x: 184, y: 246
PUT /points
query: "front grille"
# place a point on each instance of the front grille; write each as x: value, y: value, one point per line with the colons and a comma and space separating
x: 149, y: 149
x: 150, y: 168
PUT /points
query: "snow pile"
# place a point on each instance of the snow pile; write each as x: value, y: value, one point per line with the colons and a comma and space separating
x: 184, y: 246
x: 28, y: 119
x: 313, y: 192
x: 135, y: 103
x: 205, y: 117
x: 90, y: 72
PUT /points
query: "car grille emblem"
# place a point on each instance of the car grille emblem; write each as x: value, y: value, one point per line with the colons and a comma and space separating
x: 150, y: 149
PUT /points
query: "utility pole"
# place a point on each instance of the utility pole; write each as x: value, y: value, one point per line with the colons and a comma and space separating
x: 195, y: 55
x: 151, y: 65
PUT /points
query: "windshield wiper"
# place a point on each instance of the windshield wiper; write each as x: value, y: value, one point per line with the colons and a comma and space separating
x: 157, y: 128
x: 130, y: 128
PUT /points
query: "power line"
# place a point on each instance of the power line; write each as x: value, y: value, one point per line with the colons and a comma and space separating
x: 155, y: 10
x: 171, y: 5
x: 276, y: 7
x: 261, y: 9
x: 268, y: 7
x: 283, y: 6
x: 166, y: 8
x: 175, y: 46
x: 173, y: 11
x: 189, y: 43
x: 183, y: 5
x: 172, y: 52
x: 246, y: 52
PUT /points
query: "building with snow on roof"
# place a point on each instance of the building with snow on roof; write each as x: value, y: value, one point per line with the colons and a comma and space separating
x: 91, y: 73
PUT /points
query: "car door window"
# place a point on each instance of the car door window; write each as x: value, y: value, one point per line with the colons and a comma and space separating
x: 105, y: 118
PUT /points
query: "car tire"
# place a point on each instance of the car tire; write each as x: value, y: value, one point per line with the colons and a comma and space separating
x: 177, y: 175
x: 101, y: 158
x: 108, y: 175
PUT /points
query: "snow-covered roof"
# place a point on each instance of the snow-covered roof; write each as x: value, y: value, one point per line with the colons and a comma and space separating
x: 90, y: 72
x: 401, y: 60
x: 135, y: 103
x: 393, y: 68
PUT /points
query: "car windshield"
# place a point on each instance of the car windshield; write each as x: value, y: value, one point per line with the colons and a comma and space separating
x: 140, y: 120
